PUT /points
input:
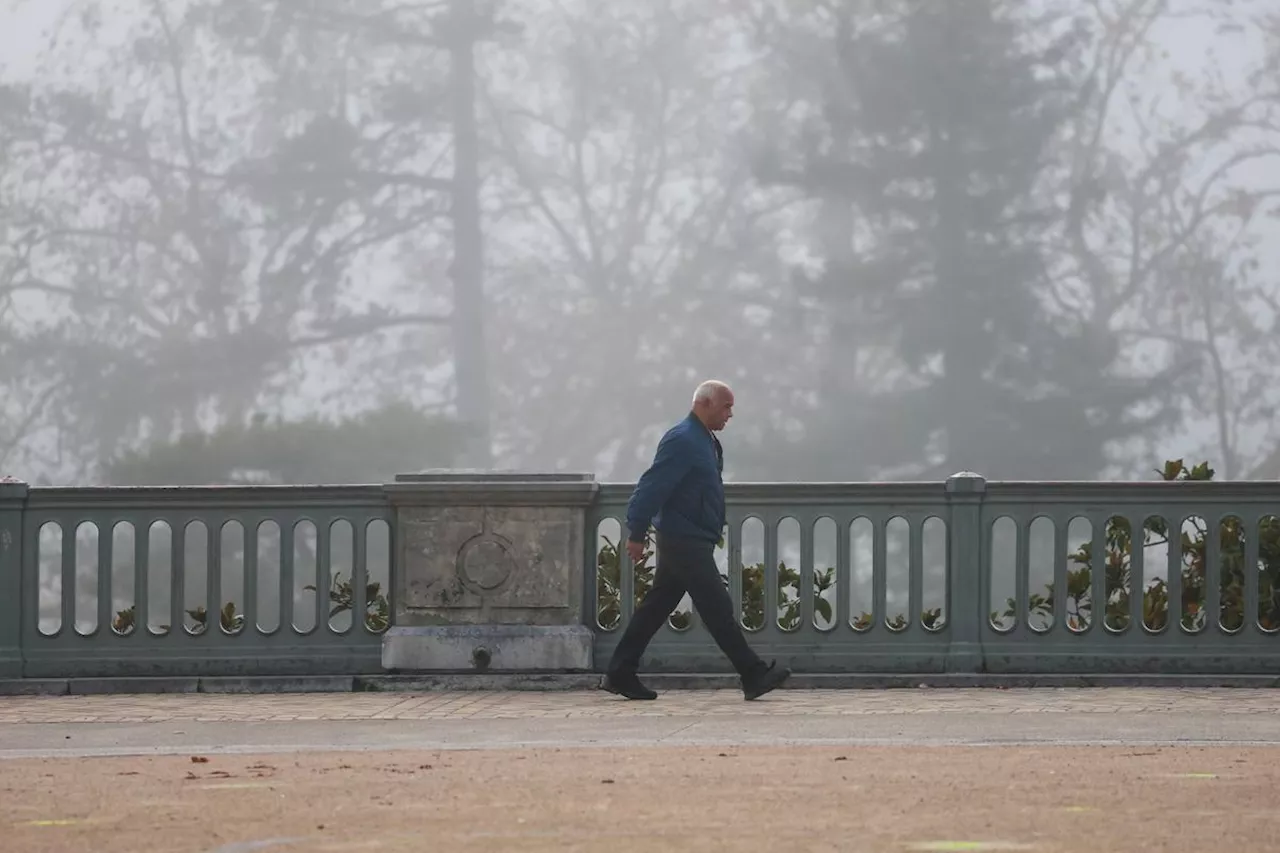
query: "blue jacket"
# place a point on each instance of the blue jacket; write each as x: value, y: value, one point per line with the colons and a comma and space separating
x: 682, y: 493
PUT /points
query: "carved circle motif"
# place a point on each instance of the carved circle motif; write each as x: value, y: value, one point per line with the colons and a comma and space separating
x: 485, y: 562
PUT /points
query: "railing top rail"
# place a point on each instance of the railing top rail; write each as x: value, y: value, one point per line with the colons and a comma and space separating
x: 1128, y: 492
x: 206, y: 497
x: 781, y: 493
x: 808, y: 493
x: 997, y: 491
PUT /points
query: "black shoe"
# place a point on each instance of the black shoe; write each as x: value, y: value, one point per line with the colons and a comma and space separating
x: 628, y: 686
x: 760, y: 684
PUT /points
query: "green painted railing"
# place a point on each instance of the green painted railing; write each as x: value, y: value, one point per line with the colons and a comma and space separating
x: 192, y: 581
x: 962, y: 576
x: 971, y: 576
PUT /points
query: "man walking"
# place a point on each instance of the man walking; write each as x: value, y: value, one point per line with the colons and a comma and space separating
x: 682, y: 494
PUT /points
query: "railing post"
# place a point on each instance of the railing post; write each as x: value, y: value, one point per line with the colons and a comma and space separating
x: 966, y: 586
x: 13, y: 499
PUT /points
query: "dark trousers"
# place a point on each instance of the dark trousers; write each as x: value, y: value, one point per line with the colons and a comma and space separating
x: 685, y: 565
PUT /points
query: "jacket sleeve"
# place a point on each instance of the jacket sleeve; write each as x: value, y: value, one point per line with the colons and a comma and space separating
x: 670, y: 463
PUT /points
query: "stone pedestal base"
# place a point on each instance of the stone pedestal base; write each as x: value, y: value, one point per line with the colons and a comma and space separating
x: 477, y: 648
x: 489, y: 573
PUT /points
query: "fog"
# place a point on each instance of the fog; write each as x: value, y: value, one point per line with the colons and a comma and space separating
x: 335, y: 240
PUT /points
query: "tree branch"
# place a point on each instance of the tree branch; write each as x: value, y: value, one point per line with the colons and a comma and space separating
x: 357, y: 327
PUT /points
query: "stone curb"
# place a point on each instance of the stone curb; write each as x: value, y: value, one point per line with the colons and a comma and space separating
x: 546, y: 682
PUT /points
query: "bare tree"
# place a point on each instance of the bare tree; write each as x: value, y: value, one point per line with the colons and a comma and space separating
x: 635, y: 253
x: 28, y: 386
x: 1169, y: 174
x: 408, y: 70
x: 205, y: 255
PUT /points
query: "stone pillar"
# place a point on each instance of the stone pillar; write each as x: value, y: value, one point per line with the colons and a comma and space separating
x: 488, y: 573
x: 970, y: 582
x: 13, y: 499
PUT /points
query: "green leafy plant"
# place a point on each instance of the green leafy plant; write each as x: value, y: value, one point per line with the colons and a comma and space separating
x: 342, y: 596
x: 610, y: 559
x: 789, y: 610
x: 1193, y: 544
x: 125, y: 621
x: 228, y: 618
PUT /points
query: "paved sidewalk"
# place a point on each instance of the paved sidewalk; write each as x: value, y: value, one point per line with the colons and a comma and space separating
x: 167, y: 724
x: 563, y: 704
x: 1044, y: 771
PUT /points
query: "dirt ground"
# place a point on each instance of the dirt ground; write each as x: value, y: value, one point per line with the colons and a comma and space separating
x: 1048, y: 799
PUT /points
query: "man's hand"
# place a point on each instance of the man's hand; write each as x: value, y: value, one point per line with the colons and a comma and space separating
x: 635, y: 550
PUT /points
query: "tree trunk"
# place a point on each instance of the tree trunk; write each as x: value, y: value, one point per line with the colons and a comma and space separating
x: 471, y: 356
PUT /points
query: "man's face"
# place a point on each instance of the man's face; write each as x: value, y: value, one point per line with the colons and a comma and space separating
x: 719, y: 410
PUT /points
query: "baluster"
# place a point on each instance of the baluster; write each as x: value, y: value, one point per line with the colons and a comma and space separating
x: 770, y: 573
x: 250, y: 533
x: 844, y: 573
x: 1061, y: 536
x: 360, y: 577
x: 915, y: 573
x: 178, y: 578
x: 69, y: 530
x: 1212, y: 575
x: 1173, y: 574
x: 324, y: 573
x: 288, y: 532
x: 807, y: 608
x: 626, y: 577
x: 142, y: 577
x: 106, y: 571
x: 1137, y: 569
x: 1021, y: 575
x: 879, y: 572
x: 1252, y: 534
x: 1098, y: 574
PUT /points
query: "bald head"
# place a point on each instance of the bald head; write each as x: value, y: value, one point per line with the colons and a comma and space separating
x: 713, y: 404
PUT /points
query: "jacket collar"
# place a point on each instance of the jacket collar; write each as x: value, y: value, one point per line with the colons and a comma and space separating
x: 714, y: 441
x: 697, y: 421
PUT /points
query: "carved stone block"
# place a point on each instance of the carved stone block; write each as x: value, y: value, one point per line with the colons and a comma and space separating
x: 489, y: 571
x: 489, y: 558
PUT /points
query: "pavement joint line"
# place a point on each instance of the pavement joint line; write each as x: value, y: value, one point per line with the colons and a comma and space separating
x: 678, y: 731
